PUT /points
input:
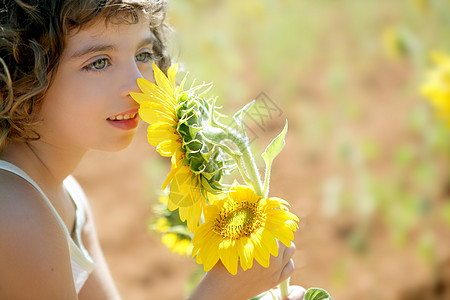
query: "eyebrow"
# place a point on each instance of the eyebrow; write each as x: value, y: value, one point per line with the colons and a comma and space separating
x: 93, y: 48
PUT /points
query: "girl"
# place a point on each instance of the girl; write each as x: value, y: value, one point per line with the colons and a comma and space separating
x: 68, y: 67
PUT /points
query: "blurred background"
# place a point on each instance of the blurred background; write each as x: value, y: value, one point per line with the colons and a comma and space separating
x: 366, y: 164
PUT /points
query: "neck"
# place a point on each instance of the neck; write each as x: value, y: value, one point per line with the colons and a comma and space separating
x: 46, y: 164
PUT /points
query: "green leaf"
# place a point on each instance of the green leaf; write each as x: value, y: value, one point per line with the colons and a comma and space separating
x: 275, y: 146
x: 316, y: 294
x: 272, y: 150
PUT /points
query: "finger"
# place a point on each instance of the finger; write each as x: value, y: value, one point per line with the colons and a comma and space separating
x: 281, y: 248
x: 278, y: 260
x: 268, y: 295
x: 296, y: 293
x: 288, y: 253
x: 287, y: 270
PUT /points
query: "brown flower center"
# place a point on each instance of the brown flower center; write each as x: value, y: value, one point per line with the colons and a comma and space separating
x: 239, y: 219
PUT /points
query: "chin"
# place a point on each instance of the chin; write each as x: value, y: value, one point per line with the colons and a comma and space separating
x: 117, y: 145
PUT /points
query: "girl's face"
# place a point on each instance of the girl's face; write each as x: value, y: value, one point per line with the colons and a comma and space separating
x: 88, y: 105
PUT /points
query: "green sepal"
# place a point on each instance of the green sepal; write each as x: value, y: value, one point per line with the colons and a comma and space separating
x: 197, y: 165
x: 211, y: 186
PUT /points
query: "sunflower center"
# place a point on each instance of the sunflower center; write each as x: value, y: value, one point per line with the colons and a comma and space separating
x: 238, y: 219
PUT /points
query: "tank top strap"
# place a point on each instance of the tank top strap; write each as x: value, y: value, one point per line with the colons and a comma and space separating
x: 7, y: 166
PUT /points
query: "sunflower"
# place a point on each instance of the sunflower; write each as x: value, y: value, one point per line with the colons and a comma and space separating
x: 175, y: 235
x: 185, y: 192
x: 243, y: 227
x: 185, y: 195
x: 437, y: 86
x: 177, y: 243
x: 175, y: 118
x: 158, y: 103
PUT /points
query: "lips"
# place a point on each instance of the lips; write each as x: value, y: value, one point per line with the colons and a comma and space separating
x: 125, y: 115
x: 125, y: 120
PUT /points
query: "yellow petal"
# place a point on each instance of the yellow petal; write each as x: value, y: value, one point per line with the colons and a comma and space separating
x: 169, y: 239
x: 169, y: 177
x: 148, y: 87
x: 177, y: 159
x: 145, y: 86
x: 155, y: 92
x: 203, y: 233
x: 148, y: 99
x: 162, y: 225
x: 211, y: 254
x: 192, y: 215
x: 197, y: 241
x: 153, y: 115
x: 261, y: 254
x: 243, y: 192
x: 168, y: 147
x: 269, y: 242
x: 206, y: 242
x: 183, y: 247
x: 184, y: 188
x: 171, y: 73
x: 246, y: 252
x: 158, y: 132
x: 162, y: 81
x: 228, y: 255
x: 282, y: 233
x: 279, y: 201
x: 211, y: 211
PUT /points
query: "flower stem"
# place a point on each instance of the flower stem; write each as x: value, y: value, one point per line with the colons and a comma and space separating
x: 254, y: 176
x: 248, y: 170
x: 284, y: 289
x: 249, y: 162
x: 252, y: 170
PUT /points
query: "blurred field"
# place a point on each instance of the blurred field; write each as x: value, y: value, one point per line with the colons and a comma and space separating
x: 366, y: 165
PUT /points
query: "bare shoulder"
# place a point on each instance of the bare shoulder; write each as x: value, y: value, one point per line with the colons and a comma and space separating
x: 34, y: 260
x: 100, y: 284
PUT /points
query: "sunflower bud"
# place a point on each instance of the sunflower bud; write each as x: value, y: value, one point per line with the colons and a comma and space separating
x: 202, y: 156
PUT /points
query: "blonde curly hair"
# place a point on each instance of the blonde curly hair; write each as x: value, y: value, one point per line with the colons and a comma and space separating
x: 32, y: 38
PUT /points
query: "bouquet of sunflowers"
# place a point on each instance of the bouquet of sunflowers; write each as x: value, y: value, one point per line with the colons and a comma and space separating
x: 235, y: 223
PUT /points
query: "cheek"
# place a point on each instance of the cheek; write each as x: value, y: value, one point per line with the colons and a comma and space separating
x: 87, y: 93
x: 147, y: 72
x: 74, y: 105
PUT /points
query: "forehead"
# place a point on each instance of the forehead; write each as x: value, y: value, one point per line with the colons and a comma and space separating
x: 107, y: 32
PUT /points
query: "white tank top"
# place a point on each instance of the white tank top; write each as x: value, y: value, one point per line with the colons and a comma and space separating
x: 82, y: 263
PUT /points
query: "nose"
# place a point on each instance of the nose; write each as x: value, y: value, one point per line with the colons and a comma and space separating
x: 129, y: 80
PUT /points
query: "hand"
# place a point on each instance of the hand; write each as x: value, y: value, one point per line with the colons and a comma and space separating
x: 295, y: 293
x: 220, y: 284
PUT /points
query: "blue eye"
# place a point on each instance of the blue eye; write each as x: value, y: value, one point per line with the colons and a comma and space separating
x: 97, y: 65
x: 143, y: 57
